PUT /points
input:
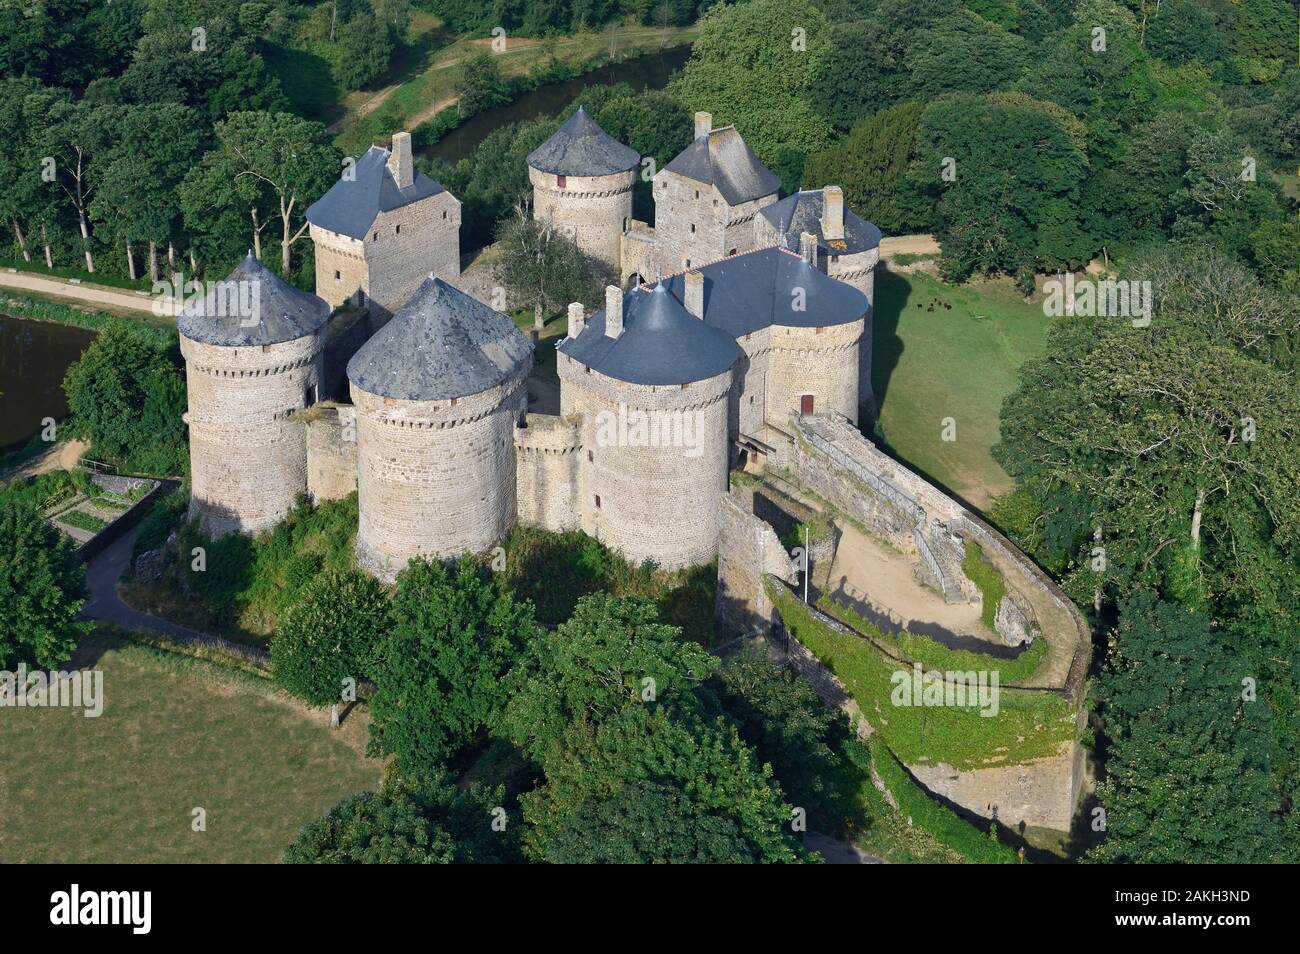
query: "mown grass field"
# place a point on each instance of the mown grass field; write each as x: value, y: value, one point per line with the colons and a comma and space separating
x: 932, y: 362
x: 176, y: 733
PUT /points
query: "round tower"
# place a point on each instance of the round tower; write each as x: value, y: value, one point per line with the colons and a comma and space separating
x: 652, y: 383
x: 252, y: 349
x: 438, y: 391
x: 582, y: 185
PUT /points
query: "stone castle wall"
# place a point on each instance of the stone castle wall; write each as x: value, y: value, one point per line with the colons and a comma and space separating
x: 822, y: 362
x: 650, y: 502
x: 435, y: 478
x: 342, y: 275
x: 594, y: 211
x: 748, y: 548
x: 413, y: 242
x: 695, y: 225
x: 248, y: 462
x: 331, y: 452
x: 547, y: 475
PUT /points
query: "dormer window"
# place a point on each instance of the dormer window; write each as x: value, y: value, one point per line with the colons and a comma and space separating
x: 561, y: 182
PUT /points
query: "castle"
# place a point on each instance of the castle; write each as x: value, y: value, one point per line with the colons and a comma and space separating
x: 739, y: 310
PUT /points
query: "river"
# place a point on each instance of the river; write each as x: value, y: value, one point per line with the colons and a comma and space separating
x: 34, y: 356
x: 643, y: 72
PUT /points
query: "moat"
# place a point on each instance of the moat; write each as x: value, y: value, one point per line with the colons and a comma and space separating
x: 651, y: 71
x: 34, y: 356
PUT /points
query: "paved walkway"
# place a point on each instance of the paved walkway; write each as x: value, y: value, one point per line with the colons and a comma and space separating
x: 104, y: 604
x: 91, y: 294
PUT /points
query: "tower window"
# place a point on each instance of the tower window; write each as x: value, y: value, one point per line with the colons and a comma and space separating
x: 397, y: 229
x: 338, y: 276
x: 697, y: 193
x: 590, y: 457
x: 732, y: 252
x: 444, y: 213
x: 692, y: 228
x: 597, y: 501
x: 561, y: 182
x: 376, y: 237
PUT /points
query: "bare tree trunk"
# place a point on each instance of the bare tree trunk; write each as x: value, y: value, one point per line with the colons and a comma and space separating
x: 171, y: 255
x: 85, y: 239
x: 153, y: 260
x: 45, y: 242
x: 1096, y: 593
x: 334, y: 716
x: 257, y: 234
x: 22, y: 241
x: 130, y: 260
x: 1196, y: 519
x: 194, y: 264
x: 538, y: 323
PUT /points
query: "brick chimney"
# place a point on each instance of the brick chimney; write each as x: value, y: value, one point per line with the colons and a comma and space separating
x: 833, y: 212
x: 703, y: 124
x: 577, y: 320
x: 695, y: 293
x: 399, y: 161
x: 613, y: 311
x: 808, y: 247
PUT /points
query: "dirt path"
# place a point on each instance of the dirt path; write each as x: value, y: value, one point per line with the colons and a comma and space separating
x: 896, y: 245
x: 94, y: 294
x: 62, y: 456
x: 869, y: 571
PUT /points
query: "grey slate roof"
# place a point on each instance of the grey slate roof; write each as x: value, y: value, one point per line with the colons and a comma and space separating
x: 802, y: 212
x: 749, y: 292
x: 350, y: 206
x: 279, y: 311
x: 661, y: 344
x: 441, y: 344
x: 581, y: 148
x: 724, y: 159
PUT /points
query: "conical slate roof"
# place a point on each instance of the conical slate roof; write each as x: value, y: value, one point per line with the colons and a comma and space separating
x: 441, y: 344
x: 581, y: 148
x: 253, y: 306
x: 802, y: 212
x: 662, y: 343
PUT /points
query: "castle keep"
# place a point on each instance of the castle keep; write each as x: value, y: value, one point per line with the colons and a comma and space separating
x: 381, y: 230
x: 741, y: 312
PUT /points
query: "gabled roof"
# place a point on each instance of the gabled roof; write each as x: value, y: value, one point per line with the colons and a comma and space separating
x: 441, y: 344
x: 581, y: 148
x: 253, y: 306
x: 747, y: 293
x: 723, y: 158
x: 661, y: 344
x: 351, y: 205
x: 802, y: 212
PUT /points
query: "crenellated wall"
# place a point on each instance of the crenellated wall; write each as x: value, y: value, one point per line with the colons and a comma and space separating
x: 592, y: 210
x: 248, y: 461
x: 547, y: 476
x: 435, y: 478
x: 650, y: 498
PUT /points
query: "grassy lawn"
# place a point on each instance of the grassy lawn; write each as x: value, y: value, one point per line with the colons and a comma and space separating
x: 175, y: 733
x: 932, y: 362
x: 1028, y: 725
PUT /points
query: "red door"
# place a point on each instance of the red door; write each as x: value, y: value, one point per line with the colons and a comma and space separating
x: 805, y: 404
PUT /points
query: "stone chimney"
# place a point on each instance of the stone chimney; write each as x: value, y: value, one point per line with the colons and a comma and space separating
x: 833, y: 212
x: 695, y: 293
x: 613, y: 311
x: 399, y: 161
x: 808, y: 247
x: 703, y: 124
x: 577, y: 320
